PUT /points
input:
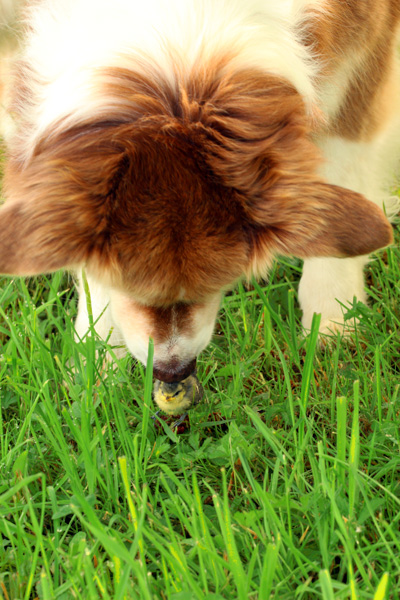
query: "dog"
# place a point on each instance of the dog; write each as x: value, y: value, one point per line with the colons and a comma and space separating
x: 173, y: 147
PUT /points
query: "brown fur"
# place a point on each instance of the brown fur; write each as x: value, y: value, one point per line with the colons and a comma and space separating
x: 181, y: 188
x: 167, y: 317
x: 364, y: 32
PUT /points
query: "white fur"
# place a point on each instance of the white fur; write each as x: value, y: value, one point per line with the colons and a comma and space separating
x: 326, y: 285
x: 104, y: 325
x: 202, y: 329
x: 71, y: 39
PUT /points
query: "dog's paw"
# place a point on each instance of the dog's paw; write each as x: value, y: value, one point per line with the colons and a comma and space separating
x: 330, y: 329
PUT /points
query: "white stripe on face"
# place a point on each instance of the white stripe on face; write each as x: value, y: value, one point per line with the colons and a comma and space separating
x: 180, y: 332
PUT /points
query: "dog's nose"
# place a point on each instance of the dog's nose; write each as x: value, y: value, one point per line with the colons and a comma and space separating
x: 173, y: 372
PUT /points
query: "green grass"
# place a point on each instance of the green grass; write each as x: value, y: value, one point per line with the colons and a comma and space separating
x: 285, y: 484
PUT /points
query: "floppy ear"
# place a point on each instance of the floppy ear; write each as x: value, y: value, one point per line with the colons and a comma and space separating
x: 317, y: 219
x: 57, y: 208
x: 265, y: 152
x: 37, y: 239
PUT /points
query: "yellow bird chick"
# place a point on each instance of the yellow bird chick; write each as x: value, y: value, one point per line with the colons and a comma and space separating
x: 176, y: 398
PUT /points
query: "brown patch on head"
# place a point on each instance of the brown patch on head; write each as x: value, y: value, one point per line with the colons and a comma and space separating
x: 175, y: 226
x: 198, y: 183
x: 159, y: 201
x: 136, y: 201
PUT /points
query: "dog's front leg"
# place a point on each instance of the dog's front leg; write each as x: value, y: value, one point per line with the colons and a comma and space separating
x: 327, y: 286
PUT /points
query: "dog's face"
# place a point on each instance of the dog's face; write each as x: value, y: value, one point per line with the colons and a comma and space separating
x: 180, y: 332
x: 172, y: 197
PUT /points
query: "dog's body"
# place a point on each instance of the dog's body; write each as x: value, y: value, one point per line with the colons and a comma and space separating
x: 171, y: 147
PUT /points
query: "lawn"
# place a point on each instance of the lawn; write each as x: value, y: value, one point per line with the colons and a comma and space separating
x: 283, y: 484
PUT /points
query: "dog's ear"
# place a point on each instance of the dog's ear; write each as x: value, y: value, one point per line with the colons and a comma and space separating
x: 56, y: 212
x: 314, y: 220
x: 264, y: 150
x: 36, y: 237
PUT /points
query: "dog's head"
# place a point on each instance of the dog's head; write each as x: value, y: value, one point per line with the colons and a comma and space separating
x: 169, y: 193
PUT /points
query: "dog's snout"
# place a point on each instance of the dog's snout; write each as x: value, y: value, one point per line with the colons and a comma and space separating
x: 173, y: 372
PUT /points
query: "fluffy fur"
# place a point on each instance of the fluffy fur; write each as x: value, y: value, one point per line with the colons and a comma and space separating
x: 171, y: 147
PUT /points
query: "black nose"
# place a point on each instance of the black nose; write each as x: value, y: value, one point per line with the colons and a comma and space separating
x: 173, y: 372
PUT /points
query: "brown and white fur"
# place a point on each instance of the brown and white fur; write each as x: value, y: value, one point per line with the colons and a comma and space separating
x: 172, y: 147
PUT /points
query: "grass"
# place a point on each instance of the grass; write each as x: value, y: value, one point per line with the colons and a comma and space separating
x: 284, y: 484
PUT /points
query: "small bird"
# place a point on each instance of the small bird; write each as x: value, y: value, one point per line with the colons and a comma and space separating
x: 176, y: 398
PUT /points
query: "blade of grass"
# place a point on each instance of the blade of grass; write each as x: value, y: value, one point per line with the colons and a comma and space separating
x: 269, y: 568
x: 326, y: 585
x: 354, y: 451
x: 341, y: 417
x: 147, y: 399
x: 382, y: 588
x: 234, y: 562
